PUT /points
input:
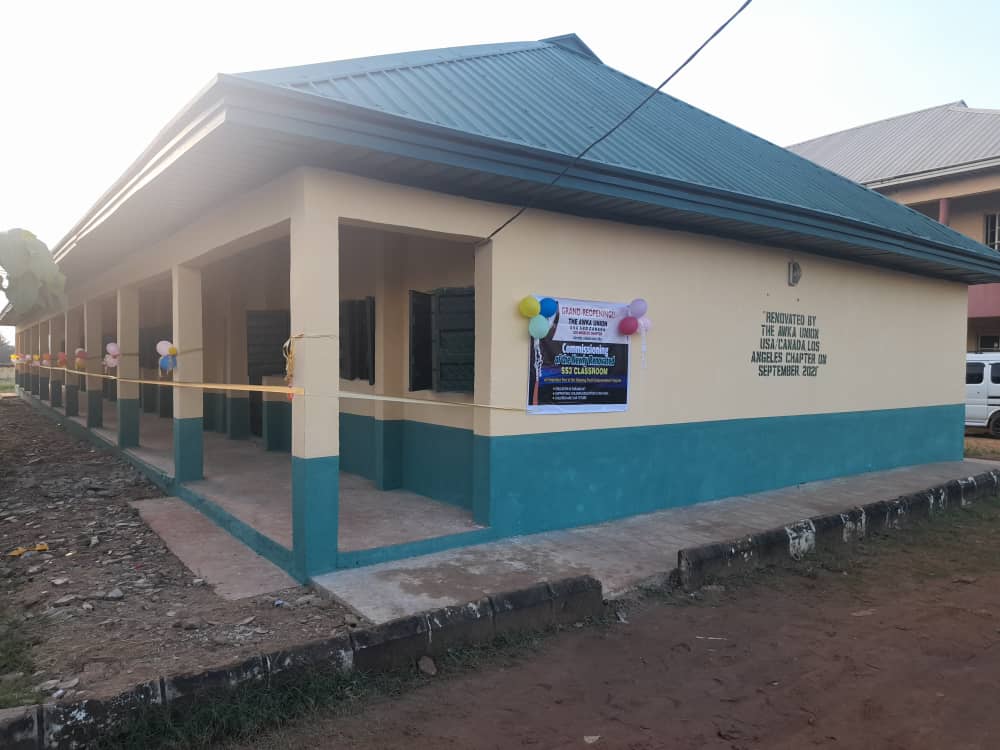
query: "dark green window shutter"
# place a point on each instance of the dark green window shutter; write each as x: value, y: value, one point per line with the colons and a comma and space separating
x: 453, y: 348
x: 421, y: 377
x: 357, y: 339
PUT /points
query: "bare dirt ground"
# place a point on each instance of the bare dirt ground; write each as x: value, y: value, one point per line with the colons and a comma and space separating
x: 895, y: 647
x: 108, y: 606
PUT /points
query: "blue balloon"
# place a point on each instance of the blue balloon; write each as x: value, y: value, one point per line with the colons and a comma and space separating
x: 549, y: 307
x: 165, y: 363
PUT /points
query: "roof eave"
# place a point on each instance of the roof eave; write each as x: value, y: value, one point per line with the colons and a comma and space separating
x: 953, y: 170
x: 162, y: 140
x: 247, y: 102
x: 382, y: 131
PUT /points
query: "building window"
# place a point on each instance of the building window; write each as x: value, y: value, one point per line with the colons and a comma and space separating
x: 357, y: 339
x: 989, y: 343
x: 974, y: 373
x: 442, y: 340
x: 992, y: 234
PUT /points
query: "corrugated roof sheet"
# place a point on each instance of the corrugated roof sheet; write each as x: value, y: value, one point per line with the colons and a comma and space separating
x: 950, y: 135
x: 546, y: 95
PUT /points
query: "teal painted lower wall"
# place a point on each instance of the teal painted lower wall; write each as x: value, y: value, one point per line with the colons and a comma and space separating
x: 531, y: 483
x: 128, y: 422
x: 189, y: 449
x: 95, y: 408
x: 559, y: 480
x: 315, y: 514
x: 276, y: 425
x: 357, y: 445
x: 236, y: 412
x: 428, y: 459
x: 55, y: 393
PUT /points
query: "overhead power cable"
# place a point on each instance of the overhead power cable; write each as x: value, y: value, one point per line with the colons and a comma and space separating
x: 621, y: 122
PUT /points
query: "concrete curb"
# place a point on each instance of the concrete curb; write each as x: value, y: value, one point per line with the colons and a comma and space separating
x: 696, y: 564
x: 392, y: 645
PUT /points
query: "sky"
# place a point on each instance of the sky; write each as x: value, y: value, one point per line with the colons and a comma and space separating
x: 86, y: 86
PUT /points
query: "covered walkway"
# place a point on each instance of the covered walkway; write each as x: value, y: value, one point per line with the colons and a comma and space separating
x: 254, y: 486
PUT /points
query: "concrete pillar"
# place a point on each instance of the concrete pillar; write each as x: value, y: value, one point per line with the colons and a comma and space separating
x: 485, y: 390
x: 57, y: 345
x: 314, y: 276
x: 74, y: 334
x: 128, y: 367
x: 92, y: 337
x: 237, y: 403
x: 187, y: 402
x: 391, y: 372
x: 214, y: 304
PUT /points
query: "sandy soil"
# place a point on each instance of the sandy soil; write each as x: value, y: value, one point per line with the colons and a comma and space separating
x: 108, y: 606
x: 896, y: 648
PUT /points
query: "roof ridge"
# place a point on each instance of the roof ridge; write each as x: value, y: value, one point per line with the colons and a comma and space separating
x: 959, y: 104
x: 456, y: 54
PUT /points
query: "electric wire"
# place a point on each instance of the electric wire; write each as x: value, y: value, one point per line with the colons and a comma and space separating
x: 622, y: 121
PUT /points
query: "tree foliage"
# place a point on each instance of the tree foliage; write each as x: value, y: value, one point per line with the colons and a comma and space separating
x: 33, y: 281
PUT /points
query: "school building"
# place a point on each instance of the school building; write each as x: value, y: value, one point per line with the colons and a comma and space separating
x: 943, y: 162
x: 710, y: 314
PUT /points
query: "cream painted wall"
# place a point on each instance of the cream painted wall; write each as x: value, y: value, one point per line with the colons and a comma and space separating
x: 893, y: 340
x: 707, y: 298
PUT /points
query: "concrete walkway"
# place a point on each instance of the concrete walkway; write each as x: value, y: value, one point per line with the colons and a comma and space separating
x: 234, y: 570
x: 620, y: 553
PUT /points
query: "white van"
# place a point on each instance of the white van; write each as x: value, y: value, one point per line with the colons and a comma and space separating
x: 982, y: 391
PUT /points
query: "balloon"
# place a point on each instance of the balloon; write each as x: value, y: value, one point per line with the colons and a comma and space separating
x: 529, y: 307
x: 637, y: 307
x: 539, y: 326
x: 172, y: 351
x: 162, y: 347
x: 165, y: 363
x: 549, y: 307
x: 62, y: 359
x: 79, y: 350
x: 112, y: 349
x: 645, y: 323
x: 628, y: 325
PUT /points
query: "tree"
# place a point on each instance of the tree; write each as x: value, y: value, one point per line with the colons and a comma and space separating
x: 6, y: 349
x: 31, y: 280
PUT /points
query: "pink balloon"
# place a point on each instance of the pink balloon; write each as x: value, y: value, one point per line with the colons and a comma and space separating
x: 645, y: 323
x: 628, y: 325
x: 112, y: 349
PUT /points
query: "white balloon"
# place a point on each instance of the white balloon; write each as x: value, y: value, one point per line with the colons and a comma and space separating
x: 163, y: 347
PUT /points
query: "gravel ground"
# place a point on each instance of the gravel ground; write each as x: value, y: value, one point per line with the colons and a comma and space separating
x: 103, y: 603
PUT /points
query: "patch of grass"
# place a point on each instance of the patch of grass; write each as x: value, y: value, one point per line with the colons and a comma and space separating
x: 959, y: 541
x: 254, y: 708
x: 982, y: 446
x: 6, y: 387
x: 16, y: 664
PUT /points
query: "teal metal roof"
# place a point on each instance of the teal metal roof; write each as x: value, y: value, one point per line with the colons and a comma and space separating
x: 555, y: 97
